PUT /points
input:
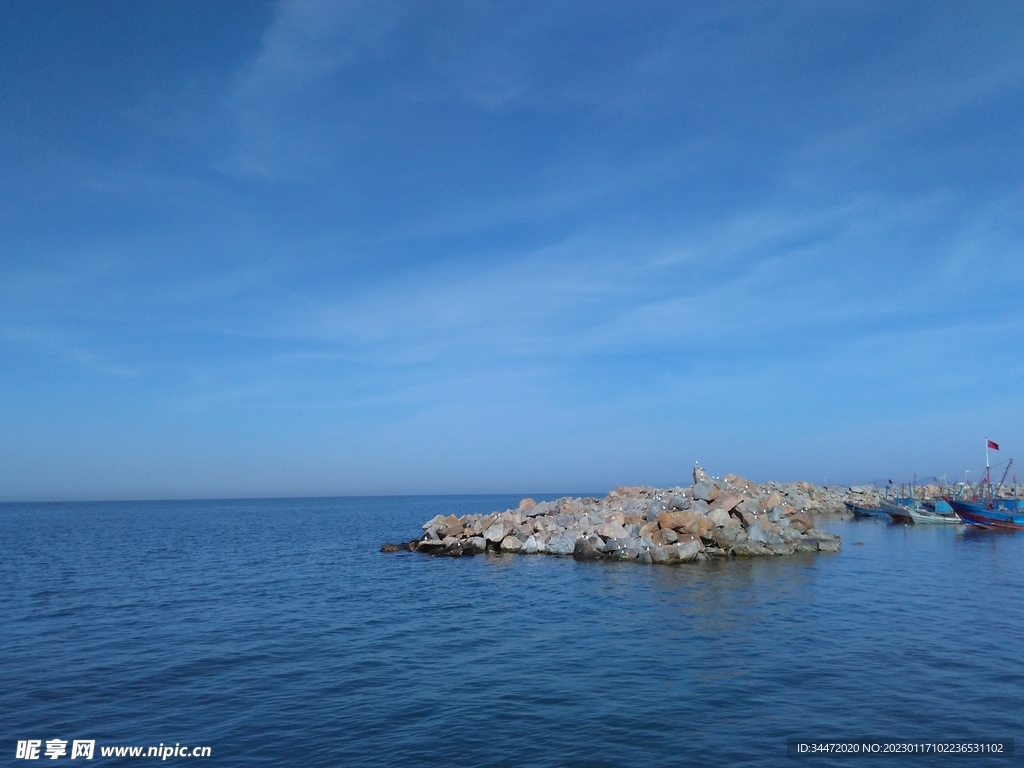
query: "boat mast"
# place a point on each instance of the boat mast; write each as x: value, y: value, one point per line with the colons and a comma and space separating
x: 986, y: 481
x: 1005, y: 473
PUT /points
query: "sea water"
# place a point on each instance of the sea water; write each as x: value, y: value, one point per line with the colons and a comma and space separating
x: 275, y: 633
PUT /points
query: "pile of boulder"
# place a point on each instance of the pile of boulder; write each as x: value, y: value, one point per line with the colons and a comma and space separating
x: 713, y: 517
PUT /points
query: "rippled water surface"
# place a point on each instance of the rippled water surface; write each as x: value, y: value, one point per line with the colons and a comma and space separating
x: 275, y: 632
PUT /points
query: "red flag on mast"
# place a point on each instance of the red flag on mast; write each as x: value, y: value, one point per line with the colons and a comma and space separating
x: 993, y: 446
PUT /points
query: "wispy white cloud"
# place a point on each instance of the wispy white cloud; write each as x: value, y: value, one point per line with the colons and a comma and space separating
x: 756, y: 273
x: 55, y: 344
x: 308, y: 43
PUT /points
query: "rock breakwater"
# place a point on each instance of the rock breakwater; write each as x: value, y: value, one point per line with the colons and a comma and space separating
x: 726, y: 517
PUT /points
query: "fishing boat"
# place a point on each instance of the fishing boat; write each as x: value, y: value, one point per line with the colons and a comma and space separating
x: 990, y: 510
x: 916, y: 513
x: 859, y: 511
x: 900, y: 513
x: 1000, y: 514
x: 938, y: 505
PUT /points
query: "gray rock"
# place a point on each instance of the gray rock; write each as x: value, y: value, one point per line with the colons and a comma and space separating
x: 475, y: 545
x: 544, y: 508
x: 679, y: 502
x: 756, y: 533
x: 561, y: 544
x: 497, y: 531
x: 435, y: 522
x: 429, y: 546
x: 685, y: 551
x: 453, y: 549
x: 634, y: 507
x: 799, y: 501
x: 700, y: 506
x: 655, y: 509
x: 430, y: 534
x: 781, y: 548
x: 661, y: 553
x: 827, y: 542
x: 530, y: 546
x: 718, y: 517
x: 481, y: 525
x: 586, y: 549
x: 750, y: 549
x: 729, y: 534
x: 748, y: 507
x: 705, y: 491
x: 623, y: 549
x: 644, y: 557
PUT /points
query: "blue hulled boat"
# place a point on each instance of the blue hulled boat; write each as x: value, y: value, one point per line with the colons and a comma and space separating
x: 1005, y: 514
x: 859, y: 511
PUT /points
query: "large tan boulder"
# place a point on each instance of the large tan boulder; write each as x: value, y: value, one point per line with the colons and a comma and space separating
x: 665, y: 536
x: 612, y: 531
x: 688, y: 539
x: 569, y: 506
x: 441, y: 523
x: 629, y: 492
x: 740, y: 482
x: 686, y: 521
x: 511, y: 544
x: 802, y: 521
x: 726, y: 501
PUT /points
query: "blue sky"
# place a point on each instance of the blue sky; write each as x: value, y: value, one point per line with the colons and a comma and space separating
x: 317, y: 248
